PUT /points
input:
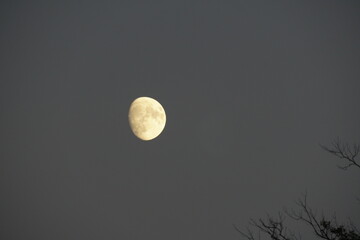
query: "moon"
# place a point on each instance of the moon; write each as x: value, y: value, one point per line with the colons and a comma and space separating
x: 147, y: 118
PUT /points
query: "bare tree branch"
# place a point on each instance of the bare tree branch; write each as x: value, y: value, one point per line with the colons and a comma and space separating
x: 345, y: 152
x: 249, y: 234
x: 307, y: 215
x: 275, y: 229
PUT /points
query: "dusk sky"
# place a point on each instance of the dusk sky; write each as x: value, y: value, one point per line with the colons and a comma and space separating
x: 250, y: 90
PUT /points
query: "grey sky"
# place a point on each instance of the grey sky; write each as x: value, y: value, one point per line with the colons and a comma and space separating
x: 250, y: 89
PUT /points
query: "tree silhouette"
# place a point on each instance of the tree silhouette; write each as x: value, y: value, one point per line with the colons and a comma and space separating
x: 329, y: 229
x: 344, y: 152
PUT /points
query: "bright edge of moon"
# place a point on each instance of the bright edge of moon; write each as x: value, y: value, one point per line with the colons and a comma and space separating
x: 147, y: 118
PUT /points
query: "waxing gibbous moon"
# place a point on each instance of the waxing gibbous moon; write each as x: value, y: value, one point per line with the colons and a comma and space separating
x: 147, y: 118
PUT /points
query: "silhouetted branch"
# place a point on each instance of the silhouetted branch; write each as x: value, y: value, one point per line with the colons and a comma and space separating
x: 249, y: 234
x: 344, y: 151
x: 307, y: 215
x: 275, y: 229
x: 353, y: 227
x: 323, y: 228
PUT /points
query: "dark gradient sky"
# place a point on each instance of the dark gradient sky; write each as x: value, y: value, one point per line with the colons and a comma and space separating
x: 250, y: 89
